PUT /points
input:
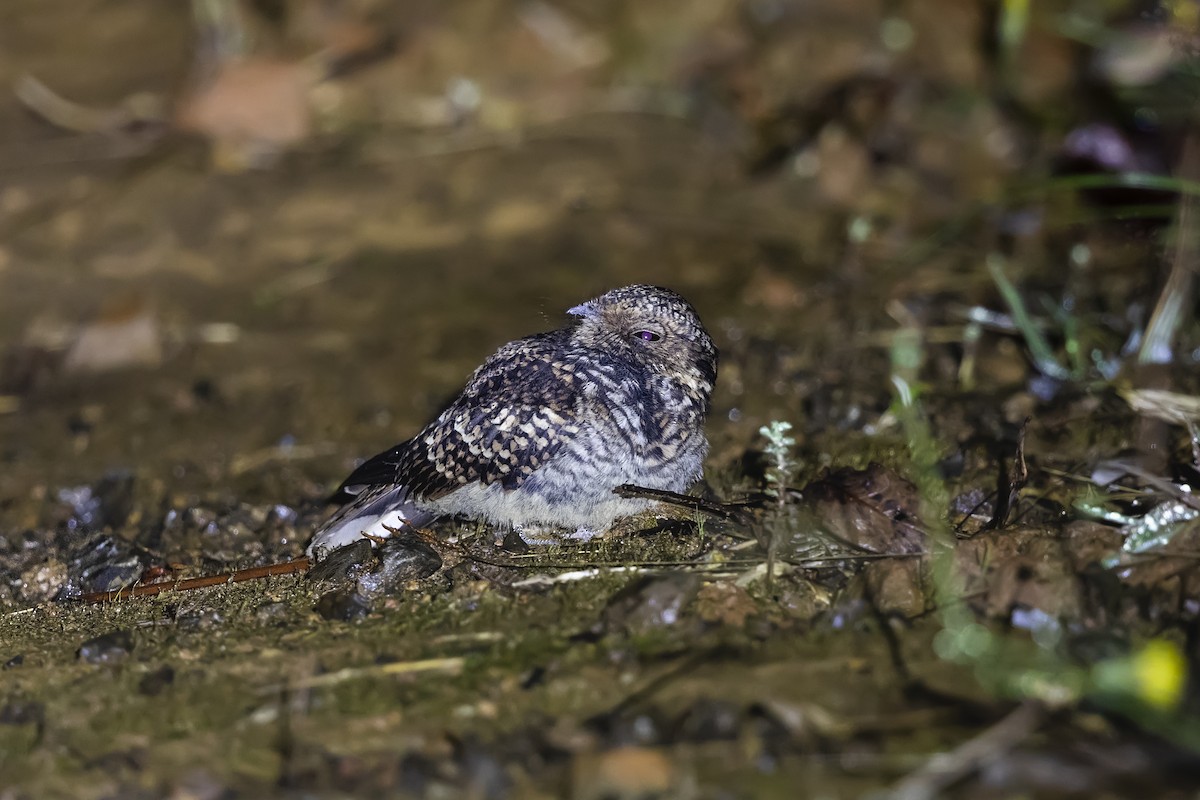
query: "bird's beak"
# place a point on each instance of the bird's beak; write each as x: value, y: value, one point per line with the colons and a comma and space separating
x: 585, y: 310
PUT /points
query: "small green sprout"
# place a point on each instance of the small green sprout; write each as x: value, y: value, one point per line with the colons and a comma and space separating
x: 783, y: 467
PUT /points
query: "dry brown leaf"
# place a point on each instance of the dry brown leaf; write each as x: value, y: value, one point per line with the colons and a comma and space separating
x: 127, y: 334
x: 252, y: 111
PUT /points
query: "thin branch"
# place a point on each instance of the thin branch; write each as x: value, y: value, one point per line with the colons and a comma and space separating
x: 204, y: 581
x: 722, y: 510
x: 944, y: 770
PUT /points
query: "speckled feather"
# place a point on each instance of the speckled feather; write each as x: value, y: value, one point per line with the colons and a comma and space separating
x: 550, y: 424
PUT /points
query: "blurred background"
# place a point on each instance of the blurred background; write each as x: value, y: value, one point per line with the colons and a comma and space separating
x: 230, y: 225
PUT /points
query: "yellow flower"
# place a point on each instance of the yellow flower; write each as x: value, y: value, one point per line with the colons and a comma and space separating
x: 1159, y: 674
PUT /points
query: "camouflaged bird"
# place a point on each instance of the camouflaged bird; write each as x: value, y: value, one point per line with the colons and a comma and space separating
x: 550, y: 425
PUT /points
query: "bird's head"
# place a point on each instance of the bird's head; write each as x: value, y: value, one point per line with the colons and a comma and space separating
x: 654, y: 328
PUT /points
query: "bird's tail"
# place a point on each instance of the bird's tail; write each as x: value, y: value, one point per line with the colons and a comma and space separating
x: 371, y: 512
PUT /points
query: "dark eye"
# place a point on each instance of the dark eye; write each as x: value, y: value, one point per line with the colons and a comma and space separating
x: 648, y: 336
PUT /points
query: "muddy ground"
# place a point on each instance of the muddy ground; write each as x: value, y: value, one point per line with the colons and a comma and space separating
x: 219, y: 296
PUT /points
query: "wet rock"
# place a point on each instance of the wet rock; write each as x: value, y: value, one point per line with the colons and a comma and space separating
x: 482, y: 772
x: 382, y: 571
x: 201, y: 519
x: 648, y: 604
x: 710, y: 720
x: 107, y: 504
x: 343, y: 605
x: 271, y: 611
x: 403, y: 558
x: 850, y: 613
x: 153, y: 683
x: 514, y: 543
x: 83, y: 508
x: 897, y: 587
x: 14, y: 662
x: 115, y: 575
x: 115, y: 495
x: 43, y: 581
x: 199, y: 618
x: 973, y: 501
x: 802, y: 599
x: 101, y: 564
x: 624, y: 729
x: 108, y: 648
x: 22, y: 712
x: 343, y: 564
x: 279, y: 526
x: 25, y: 723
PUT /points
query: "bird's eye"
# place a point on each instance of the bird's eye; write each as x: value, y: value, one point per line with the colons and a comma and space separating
x: 648, y: 336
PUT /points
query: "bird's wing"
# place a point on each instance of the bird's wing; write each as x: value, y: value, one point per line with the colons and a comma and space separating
x: 375, y: 510
x: 513, y: 416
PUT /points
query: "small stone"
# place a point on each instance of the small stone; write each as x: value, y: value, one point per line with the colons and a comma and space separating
x: 343, y: 606
x: 402, y: 559
x: 710, y: 720
x: 108, y: 648
x: 725, y: 603
x: 153, y: 683
x: 22, y: 712
x: 271, y: 611
x: 344, y: 563
x: 43, y: 581
x: 15, y: 661
x: 650, y: 603
x: 199, y: 618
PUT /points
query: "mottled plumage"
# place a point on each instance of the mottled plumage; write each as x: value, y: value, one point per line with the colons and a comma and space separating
x: 550, y: 424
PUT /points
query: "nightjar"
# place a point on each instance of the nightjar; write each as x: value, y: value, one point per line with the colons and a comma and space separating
x: 550, y: 425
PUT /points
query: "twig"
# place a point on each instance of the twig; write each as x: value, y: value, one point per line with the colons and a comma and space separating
x: 71, y: 116
x: 452, y: 666
x: 1171, y: 312
x: 541, y: 581
x: 722, y: 510
x: 945, y: 769
x: 1012, y: 481
x: 299, y: 452
x: 1161, y: 484
x: 202, y: 582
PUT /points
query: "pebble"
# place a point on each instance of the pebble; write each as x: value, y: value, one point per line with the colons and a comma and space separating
x: 108, y: 648
x: 153, y: 683
x: 342, y: 605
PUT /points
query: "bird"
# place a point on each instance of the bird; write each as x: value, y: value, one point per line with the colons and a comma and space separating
x: 548, y: 426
